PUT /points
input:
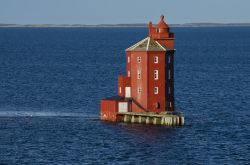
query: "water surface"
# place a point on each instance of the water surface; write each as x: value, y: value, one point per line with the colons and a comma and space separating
x: 51, y: 81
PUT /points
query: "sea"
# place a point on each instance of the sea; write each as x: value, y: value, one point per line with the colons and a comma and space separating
x: 52, y: 81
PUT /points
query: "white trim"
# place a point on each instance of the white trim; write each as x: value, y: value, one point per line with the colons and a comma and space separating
x: 138, y: 74
x: 135, y: 45
x: 139, y: 90
x: 156, y: 59
x: 139, y: 59
x: 156, y: 74
x: 148, y: 44
x: 156, y: 90
x: 161, y: 46
x: 127, y: 92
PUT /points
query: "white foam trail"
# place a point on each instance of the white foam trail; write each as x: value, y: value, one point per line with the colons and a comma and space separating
x: 43, y: 114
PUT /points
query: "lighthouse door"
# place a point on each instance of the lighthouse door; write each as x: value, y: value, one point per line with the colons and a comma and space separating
x: 127, y: 92
x: 123, y: 107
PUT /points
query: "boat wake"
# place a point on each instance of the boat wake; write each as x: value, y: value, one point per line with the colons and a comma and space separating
x: 44, y: 114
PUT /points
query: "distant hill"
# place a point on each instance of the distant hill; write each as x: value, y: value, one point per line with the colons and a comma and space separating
x: 212, y: 25
x: 125, y: 25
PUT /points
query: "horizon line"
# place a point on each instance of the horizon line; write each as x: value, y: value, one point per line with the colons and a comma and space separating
x: 193, y: 24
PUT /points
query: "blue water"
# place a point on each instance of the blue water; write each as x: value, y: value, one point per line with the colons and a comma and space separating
x: 51, y: 82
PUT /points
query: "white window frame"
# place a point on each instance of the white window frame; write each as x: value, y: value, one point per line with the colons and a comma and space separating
x: 156, y: 74
x: 138, y: 74
x: 156, y: 59
x: 127, y: 92
x: 122, y: 107
x: 139, y: 90
x: 139, y: 59
x: 156, y: 90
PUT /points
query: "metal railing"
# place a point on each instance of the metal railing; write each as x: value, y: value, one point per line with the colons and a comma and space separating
x: 138, y: 105
x: 178, y: 113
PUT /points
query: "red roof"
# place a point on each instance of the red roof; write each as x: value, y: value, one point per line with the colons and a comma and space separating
x: 162, y: 24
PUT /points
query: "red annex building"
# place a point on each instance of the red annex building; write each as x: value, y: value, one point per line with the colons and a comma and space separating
x: 148, y: 85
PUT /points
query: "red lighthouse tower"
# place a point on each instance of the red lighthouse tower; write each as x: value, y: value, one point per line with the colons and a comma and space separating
x: 148, y: 86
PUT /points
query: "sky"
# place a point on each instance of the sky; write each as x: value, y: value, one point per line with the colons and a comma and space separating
x: 94, y: 12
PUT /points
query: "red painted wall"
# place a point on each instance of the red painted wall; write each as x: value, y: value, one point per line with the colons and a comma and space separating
x: 169, y: 43
x: 123, y: 81
x: 148, y: 100
x: 142, y: 97
x: 109, y: 109
x: 128, y: 63
x: 156, y: 99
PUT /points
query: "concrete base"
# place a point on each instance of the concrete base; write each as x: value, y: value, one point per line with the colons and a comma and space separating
x: 166, y: 118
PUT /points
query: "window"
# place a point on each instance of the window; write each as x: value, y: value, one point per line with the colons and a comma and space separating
x: 128, y: 73
x: 120, y: 89
x: 157, y: 30
x: 138, y: 74
x: 169, y: 59
x: 139, y: 59
x: 169, y: 74
x: 156, y: 59
x: 169, y: 90
x: 128, y: 59
x: 156, y: 74
x: 139, y: 90
x: 170, y: 104
x: 156, y: 90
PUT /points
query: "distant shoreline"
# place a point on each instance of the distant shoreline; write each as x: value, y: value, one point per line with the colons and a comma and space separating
x: 123, y: 25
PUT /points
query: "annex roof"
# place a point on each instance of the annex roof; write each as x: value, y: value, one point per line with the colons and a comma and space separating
x: 147, y: 44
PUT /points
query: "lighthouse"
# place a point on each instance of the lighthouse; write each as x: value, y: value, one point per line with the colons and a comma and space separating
x: 146, y: 92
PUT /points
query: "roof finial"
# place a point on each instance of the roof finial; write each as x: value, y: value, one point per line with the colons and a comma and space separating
x: 162, y: 17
